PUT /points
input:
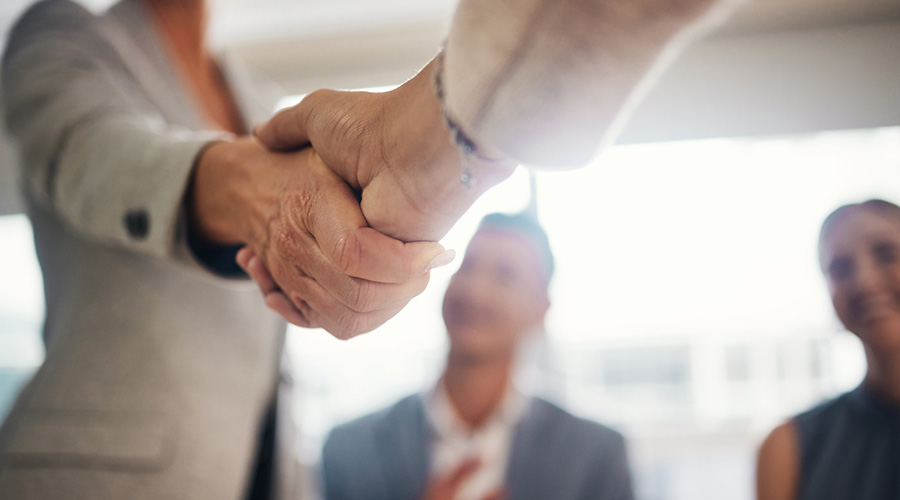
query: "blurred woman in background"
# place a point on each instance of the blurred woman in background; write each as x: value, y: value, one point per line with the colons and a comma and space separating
x: 849, y: 447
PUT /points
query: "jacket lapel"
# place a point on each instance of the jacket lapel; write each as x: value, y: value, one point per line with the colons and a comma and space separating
x: 528, y: 461
x: 127, y: 25
x: 408, y: 434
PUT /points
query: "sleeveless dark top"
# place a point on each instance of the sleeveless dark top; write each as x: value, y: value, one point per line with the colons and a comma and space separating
x: 850, y: 449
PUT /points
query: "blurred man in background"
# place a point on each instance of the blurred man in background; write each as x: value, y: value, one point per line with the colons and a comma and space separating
x: 475, y: 436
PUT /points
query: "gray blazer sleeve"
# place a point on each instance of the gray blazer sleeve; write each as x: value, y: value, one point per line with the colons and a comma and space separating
x: 546, y: 81
x: 93, y: 149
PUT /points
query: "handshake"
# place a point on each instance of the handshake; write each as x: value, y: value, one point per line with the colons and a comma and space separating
x: 339, y: 201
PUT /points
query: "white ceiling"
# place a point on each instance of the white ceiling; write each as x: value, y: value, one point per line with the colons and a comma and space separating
x: 253, y: 21
x: 767, y: 15
x: 258, y: 20
x: 247, y: 21
x: 307, y: 44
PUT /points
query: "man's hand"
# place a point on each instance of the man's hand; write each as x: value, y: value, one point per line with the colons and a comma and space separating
x: 394, y: 148
x: 304, y: 224
x: 446, y: 487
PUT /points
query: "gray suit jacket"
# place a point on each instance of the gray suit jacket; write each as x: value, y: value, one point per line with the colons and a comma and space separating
x: 555, y: 456
x: 158, y: 373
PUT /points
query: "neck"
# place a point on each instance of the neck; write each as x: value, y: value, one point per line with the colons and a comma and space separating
x: 183, y: 24
x: 476, y: 389
x: 883, y: 375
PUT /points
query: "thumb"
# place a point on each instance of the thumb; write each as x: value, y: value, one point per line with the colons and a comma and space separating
x: 289, y: 128
x: 338, y: 124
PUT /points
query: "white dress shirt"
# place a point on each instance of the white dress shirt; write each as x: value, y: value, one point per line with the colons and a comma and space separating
x: 454, y: 442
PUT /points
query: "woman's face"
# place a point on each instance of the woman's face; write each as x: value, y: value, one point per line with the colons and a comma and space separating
x: 860, y: 256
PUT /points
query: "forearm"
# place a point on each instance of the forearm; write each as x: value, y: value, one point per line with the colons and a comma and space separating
x: 442, y: 179
x: 92, y: 149
x: 397, y: 150
x: 116, y: 182
x: 236, y: 189
x: 547, y: 81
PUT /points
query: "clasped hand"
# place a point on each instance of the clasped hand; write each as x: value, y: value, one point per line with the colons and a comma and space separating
x: 308, y: 244
x: 379, y: 161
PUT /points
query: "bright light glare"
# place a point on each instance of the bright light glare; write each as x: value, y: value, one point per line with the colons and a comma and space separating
x: 21, y: 296
x: 713, y: 237
x: 705, y: 236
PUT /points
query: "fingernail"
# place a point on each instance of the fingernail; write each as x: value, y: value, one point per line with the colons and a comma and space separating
x: 256, y: 129
x: 441, y: 260
x: 242, y: 256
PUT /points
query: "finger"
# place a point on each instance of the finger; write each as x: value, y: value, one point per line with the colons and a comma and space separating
x: 278, y: 302
x: 320, y: 309
x: 274, y: 299
x: 243, y: 257
x: 499, y: 494
x: 445, y: 487
x: 335, y: 220
x: 357, y: 306
x: 356, y: 294
x: 263, y: 278
x: 365, y: 253
x: 332, y: 122
x: 461, y: 472
x: 292, y: 127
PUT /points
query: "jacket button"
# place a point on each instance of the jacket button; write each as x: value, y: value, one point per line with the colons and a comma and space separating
x: 137, y: 222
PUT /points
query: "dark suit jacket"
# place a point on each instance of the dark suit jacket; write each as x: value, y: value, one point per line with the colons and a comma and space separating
x: 555, y: 456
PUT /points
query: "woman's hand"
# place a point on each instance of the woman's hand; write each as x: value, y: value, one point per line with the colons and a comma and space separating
x: 304, y: 225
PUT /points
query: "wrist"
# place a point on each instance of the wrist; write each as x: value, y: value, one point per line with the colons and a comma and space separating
x: 458, y: 135
x: 219, y: 197
x: 442, y: 173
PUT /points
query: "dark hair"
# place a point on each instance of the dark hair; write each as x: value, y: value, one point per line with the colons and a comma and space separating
x: 527, y: 226
x: 873, y: 205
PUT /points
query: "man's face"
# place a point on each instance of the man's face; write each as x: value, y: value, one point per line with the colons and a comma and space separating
x: 497, y: 297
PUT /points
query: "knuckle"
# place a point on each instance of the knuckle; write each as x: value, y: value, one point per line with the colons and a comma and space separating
x: 346, y: 254
x: 318, y: 96
x: 421, y: 285
x: 299, y: 209
x: 411, y: 269
x: 361, y: 296
x: 298, y: 295
x: 351, y: 324
x: 283, y: 242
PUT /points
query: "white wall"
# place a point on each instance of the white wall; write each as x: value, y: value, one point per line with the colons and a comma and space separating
x: 795, y: 81
x: 787, y: 80
x: 777, y: 82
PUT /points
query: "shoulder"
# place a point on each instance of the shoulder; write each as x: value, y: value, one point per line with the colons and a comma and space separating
x: 556, y: 431
x: 780, y: 444
x: 596, y: 458
x: 56, y: 15
x: 58, y: 28
x: 778, y: 464
x: 57, y: 10
x: 812, y: 426
x: 352, y: 436
x: 824, y: 411
x: 782, y: 453
x: 561, y: 421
